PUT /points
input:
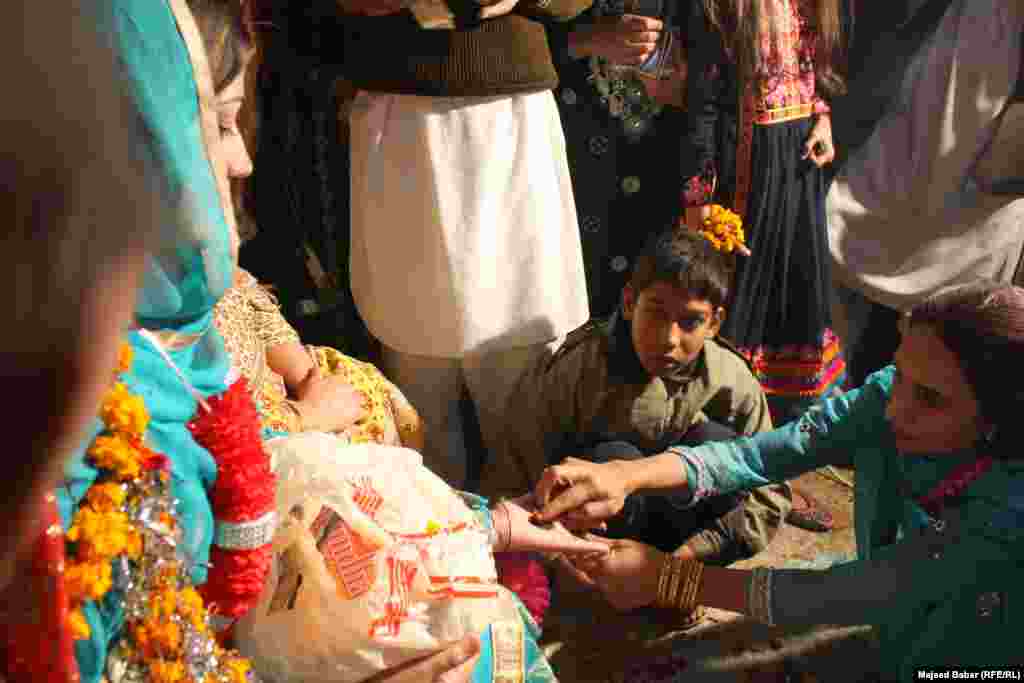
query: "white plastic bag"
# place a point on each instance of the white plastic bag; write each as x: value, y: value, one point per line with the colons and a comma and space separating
x: 378, y: 562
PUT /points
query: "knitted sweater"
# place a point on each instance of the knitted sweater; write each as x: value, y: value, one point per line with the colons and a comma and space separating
x: 502, y: 56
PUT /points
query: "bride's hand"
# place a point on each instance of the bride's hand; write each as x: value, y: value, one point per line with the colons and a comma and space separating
x: 627, y: 574
x: 454, y: 664
x: 516, y: 531
x: 330, y: 404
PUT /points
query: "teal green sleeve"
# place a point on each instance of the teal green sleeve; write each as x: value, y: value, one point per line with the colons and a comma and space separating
x: 826, y: 434
x: 939, y: 597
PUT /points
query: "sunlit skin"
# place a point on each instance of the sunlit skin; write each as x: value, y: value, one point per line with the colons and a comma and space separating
x: 669, y: 326
x: 932, y: 409
x: 232, y: 144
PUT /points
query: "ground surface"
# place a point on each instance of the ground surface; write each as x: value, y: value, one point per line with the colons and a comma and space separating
x: 587, y: 641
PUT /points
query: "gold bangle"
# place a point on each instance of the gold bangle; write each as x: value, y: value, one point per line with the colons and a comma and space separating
x: 679, y: 583
x: 663, y: 581
x: 666, y: 578
x: 686, y: 600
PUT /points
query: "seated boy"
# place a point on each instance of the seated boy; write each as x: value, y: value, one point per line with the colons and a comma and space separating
x: 652, y: 375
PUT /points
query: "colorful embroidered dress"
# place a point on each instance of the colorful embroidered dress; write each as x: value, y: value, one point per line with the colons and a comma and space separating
x: 744, y: 152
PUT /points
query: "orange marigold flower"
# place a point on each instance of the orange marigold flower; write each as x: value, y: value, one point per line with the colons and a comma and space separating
x: 106, y: 497
x: 101, y: 536
x: 237, y: 670
x: 165, y: 602
x: 161, y: 671
x: 77, y: 624
x: 123, y: 411
x: 116, y: 454
x: 190, y: 604
x: 140, y: 634
x: 133, y: 545
x: 124, y: 357
x: 165, y: 637
x: 723, y: 228
x: 87, y: 580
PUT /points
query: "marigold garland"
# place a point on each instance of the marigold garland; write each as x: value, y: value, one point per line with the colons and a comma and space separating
x: 124, y: 537
x: 724, y: 229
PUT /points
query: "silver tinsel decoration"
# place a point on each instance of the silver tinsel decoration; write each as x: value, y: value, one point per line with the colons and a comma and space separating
x: 200, y: 656
x: 136, y: 581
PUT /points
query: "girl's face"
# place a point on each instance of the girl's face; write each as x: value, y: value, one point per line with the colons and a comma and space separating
x: 231, y: 147
x: 932, y: 409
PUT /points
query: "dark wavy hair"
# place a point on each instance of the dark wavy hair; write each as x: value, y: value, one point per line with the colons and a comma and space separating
x: 982, y: 323
x: 227, y: 41
x: 686, y: 259
x: 739, y: 23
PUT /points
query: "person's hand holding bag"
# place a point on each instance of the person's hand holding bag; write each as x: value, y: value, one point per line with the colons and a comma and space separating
x: 453, y: 664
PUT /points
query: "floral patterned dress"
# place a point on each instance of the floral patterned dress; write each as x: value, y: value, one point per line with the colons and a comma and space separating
x: 743, y: 149
x: 250, y: 321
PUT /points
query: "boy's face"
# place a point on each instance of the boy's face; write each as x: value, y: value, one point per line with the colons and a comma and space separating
x: 669, y: 326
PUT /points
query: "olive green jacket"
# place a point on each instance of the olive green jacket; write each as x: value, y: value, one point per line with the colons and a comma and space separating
x: 593, y: 389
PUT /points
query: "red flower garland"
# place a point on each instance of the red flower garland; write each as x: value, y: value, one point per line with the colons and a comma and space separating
x: 243, y: 492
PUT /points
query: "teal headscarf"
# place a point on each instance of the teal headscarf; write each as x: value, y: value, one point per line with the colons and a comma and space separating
x: 187, y: 274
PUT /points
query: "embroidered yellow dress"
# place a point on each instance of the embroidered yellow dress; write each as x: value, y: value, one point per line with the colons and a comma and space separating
x: 251, y: 322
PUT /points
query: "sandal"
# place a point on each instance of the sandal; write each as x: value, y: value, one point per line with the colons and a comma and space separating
x: 812, y: 516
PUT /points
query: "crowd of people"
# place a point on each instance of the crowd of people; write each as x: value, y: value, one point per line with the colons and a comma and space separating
x: 579, y: 285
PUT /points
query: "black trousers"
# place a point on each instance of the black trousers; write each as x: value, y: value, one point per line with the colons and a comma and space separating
x: 654, y: 519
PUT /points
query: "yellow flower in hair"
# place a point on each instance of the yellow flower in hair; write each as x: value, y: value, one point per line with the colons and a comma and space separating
x: 116, y: 454
x: 724, y: 229
x: 79, y: 626
x: 122, y: 411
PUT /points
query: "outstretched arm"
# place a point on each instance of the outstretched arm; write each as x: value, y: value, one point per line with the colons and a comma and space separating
x: 583, y: 494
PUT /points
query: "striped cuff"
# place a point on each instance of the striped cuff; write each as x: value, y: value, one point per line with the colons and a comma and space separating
x: 698, y: 480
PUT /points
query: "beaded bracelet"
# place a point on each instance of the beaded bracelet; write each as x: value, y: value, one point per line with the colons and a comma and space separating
x: 679, y: 582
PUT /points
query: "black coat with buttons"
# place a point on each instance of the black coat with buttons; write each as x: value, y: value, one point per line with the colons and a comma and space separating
x: 625, y: 188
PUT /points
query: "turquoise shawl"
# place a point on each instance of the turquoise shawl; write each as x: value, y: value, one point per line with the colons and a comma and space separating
x: 187, y: 274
